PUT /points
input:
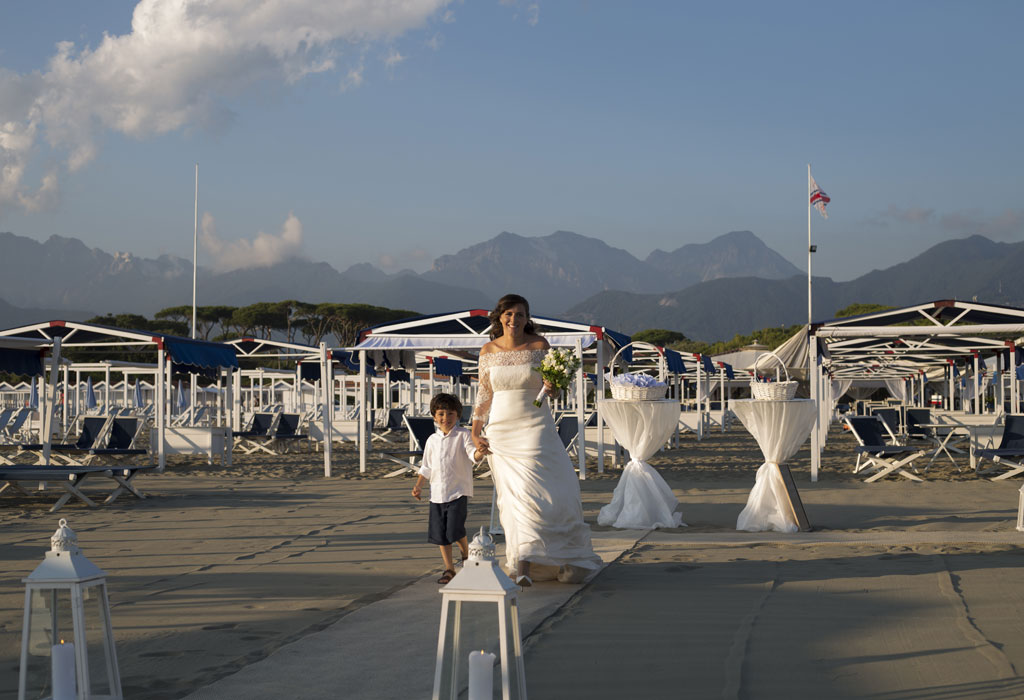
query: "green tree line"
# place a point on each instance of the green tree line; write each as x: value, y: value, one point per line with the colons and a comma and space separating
x: 771, y: 337
x: 290, y: 320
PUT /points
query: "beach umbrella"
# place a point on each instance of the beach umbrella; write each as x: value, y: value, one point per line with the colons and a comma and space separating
x: 182, y: 399
x: 33, y: 398
x: 138, y: 394
x: 90, y: 395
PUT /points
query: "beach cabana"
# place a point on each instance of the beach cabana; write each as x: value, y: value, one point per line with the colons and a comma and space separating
x: 183, y: 354
x: 466, y: 332
x: 913, y: 344
x: 311, y: 362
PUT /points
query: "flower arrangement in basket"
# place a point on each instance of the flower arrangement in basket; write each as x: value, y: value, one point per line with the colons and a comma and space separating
x: 636, y: 386
x: 558, y: 369
x: 764, y: 388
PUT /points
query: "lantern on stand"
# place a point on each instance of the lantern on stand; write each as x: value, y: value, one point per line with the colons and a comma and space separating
x: 468, y: 606
x: 67, y: 644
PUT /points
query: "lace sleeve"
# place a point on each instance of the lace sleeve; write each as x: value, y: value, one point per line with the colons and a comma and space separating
x: 484, y: 394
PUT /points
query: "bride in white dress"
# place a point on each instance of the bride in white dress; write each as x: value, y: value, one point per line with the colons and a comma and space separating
x: 538, y: 492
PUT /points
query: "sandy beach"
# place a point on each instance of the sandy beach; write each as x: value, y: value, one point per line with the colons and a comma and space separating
x: 903, y: 590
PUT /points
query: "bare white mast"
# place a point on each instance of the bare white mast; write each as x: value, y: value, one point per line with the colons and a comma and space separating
x: 195, y: 248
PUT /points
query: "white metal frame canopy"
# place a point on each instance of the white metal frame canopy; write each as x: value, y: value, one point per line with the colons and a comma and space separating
x: 191, y: 355
x: 261, y: 349
x: 469, y: 331
x: 913, y: 341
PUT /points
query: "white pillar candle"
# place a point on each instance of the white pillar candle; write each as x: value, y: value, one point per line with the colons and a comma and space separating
x: 481, y: 675
x: 62, y: 671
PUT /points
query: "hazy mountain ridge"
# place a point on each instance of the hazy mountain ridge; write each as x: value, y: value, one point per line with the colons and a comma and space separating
x: 564, y: 275
x: 717, y: 310
x: 565, y: 268
x: 734, y: 254
x: 64, y: 274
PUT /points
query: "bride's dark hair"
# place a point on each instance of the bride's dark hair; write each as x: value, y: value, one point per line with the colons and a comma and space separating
x: 504, y: 304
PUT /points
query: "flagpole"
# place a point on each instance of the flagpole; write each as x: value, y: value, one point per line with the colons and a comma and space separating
x: 810, y: 249
x: 196, y: 247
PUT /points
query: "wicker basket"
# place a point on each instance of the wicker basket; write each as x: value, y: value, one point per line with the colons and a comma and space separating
x: 628, y: 392
x: 772, y: 391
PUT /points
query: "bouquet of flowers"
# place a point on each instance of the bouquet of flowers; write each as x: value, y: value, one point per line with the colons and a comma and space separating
x: 558, y: 369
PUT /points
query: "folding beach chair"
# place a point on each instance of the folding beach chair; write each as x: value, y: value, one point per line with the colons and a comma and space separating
x: 890, y: 418
x: 93, y: 433
x: 286, y: 432
x: 420, y: 428
x: 120, y: 441
x: 1011, y: 445
x: 258, y: 435
x: 14, y: 430
x: 872, y: 445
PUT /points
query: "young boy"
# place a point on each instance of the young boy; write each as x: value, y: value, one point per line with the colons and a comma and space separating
x: 447, y: 464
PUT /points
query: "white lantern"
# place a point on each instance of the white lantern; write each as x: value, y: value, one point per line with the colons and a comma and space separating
x: 67, y: 645
x: 480, y: 584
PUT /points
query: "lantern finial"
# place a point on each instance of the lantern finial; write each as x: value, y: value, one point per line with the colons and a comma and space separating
x: 482, y: 546
x: 64, y: 539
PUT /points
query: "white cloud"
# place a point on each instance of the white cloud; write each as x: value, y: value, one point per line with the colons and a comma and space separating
x: 393, y: 58
x: 262, y: 251
x: 180, y: 65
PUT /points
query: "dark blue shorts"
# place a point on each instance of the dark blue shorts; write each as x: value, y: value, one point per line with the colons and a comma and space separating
x: 448, y: 521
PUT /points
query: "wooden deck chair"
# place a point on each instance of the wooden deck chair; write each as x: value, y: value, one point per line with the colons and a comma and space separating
x: 1011, y: 445
x: 872, y: 445
x: 420, y: 428
x: 258, y: 435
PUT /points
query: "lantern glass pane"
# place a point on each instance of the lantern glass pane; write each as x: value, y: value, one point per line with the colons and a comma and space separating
x: 478, y: 631
x: 49, y: 622
x: 95, y: 637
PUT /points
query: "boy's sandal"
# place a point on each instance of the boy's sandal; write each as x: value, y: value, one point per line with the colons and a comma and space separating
x: 447, y: 576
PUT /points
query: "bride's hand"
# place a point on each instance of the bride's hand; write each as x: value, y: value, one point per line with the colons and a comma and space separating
x: 549, y: 387
x: 481, y: 444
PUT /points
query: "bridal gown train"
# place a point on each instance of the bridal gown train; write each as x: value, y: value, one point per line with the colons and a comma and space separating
x: 538, y: 493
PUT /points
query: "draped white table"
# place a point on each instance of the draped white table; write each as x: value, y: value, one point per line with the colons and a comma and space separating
x: 780, y: 428
x: 642, y: 499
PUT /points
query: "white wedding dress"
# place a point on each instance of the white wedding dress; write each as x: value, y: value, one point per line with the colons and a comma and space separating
x: 538, y: 493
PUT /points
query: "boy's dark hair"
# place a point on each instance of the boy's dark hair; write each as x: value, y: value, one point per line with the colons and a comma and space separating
x: 445, y: 402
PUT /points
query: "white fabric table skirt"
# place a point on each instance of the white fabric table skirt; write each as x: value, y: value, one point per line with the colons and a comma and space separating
x: 642, y: 499
x: 780, y: 428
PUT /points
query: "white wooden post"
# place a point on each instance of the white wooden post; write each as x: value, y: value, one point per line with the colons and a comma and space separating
x: 977, y: 386
x: 598, y: 396
x: 363, y: 418
x: 581, y: 436
x: 815, y: 381
x: 327, y: 400
x: 161, y: 406
x: 48, y: 401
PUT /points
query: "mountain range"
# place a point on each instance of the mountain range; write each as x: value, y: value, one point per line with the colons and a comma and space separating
x: 710, y: 291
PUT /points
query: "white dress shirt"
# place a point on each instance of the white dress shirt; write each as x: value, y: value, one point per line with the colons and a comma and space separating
x: 448, y: 464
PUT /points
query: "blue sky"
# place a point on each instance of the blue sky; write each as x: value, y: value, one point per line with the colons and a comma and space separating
x: 391, y: 133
